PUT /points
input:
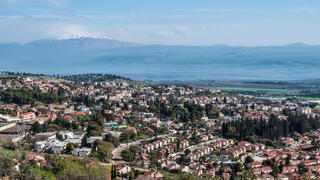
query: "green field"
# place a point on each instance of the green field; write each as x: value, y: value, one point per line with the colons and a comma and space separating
x: 263, y: 90
x: 309, y: 98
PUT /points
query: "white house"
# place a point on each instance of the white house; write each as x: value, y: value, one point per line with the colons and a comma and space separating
x: 81, y: 152
x: 59, y: 147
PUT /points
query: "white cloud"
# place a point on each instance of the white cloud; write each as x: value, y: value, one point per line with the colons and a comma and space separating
x: 174, y: 32
x: 183, y: 30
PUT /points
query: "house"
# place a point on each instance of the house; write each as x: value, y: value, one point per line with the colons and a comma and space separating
x: 81, y: 152
x: 41, y: 145
x: 66, y: 134
x: 197, y: 172
x: 91, y: 140
x: 142, y: 161
x: 151, y: 175
x: 123, y: 169
x: 59, y: 147
x: 184, y: 144
x: 266, y: 170
x: 283, y: 177
x: 45, y: 136
x: 73, y: 141
x: 226, y: 176
x: 255, y: 164
x: 289, y: 169
x: 260, y: 146
x: 185, y: 169
x: 256, y: 171
x: 28, y: 116
x: 309, y: 162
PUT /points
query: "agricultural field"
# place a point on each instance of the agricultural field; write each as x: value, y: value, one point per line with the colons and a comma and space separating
x: 308, y: 90
x: 257, y: 90
x: 309, y: 98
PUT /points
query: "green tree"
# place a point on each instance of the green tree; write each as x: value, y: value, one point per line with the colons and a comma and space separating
x: 36, y: 127
x: 248, y: 159
x: 6, y: 166
x: 112, y: 139
x: 127, y: 136
x: 69, y: 148
x: 102, y: 150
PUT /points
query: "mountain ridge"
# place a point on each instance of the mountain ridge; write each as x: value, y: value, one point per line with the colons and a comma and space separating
x: 161, y: 62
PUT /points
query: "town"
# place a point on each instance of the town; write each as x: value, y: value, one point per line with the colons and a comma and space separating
x: 95, y: 126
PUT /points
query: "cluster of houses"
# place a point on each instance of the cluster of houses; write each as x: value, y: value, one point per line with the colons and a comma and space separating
x: 127, y: 101
x: 156, y: 145
x: 241, y: 148
x: 49, y: 142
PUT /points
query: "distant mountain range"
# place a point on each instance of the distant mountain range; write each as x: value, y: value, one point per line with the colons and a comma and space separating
x: 159, y: 62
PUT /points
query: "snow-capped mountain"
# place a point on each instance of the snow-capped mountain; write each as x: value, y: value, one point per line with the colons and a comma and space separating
x: 76, y: 36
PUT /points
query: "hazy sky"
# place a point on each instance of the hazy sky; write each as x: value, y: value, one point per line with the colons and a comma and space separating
x: 190, y: 22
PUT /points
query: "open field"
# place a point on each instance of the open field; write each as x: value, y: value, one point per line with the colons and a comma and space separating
x: 307, y: 90
x: 309, y: 98
x: 262, y: 90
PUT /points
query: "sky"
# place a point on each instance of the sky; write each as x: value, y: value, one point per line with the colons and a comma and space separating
x: 169, y: 22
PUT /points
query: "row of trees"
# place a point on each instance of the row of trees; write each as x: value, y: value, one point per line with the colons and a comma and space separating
x: 91, y: 77
x: 273, y: 129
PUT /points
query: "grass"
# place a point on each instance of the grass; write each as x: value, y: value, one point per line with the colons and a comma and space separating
x: 144, y: 137
x: 39, y: 103
x: 10, y: 153
x: 170, y: 176
x: 273, y: 91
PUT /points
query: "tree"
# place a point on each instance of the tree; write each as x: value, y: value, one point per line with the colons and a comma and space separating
x: 129, y: 154
x: 302, y: 168
x: 112, y: 139
x: 127, y: 136
x: 249, y: 159
x: 113, y: 172
x: 102, y: 150
x: 6, y: 166
x: 36, y: 127
x: 187, y: 152
x: 94, y: 129
x: 69, y: 148
x: 288, y: 159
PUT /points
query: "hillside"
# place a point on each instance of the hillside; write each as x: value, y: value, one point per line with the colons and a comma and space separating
x: 157, y: 62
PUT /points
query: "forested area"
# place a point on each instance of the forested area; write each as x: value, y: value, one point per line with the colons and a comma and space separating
x: 273, y: 129
x: 23, y: 96
x: 91, y: 77
x: 188, y: 113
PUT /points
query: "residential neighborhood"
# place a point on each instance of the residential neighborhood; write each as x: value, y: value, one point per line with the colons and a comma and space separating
x: 141, y: 131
